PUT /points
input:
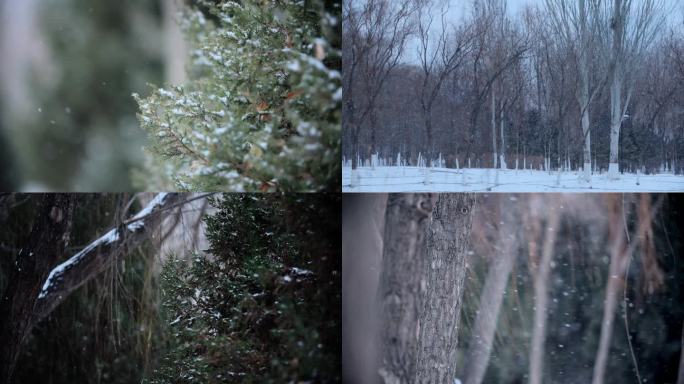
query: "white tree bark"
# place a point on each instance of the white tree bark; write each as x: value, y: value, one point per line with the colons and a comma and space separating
x: 495, y: 152
x: 502, y: 160
x: 615, y: 117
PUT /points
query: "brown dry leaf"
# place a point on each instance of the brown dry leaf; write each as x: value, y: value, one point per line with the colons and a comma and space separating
x: 262, y: 106
x: 293, y: 94
x: 288, y: 40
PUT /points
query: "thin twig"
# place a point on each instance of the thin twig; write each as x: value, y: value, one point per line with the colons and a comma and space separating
x: 631, y: 249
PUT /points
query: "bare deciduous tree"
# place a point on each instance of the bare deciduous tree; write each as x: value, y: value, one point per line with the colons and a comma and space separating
x: 634, y: 26
x: 577, y: 24
x: 438, y: 60
x: 375, y: 34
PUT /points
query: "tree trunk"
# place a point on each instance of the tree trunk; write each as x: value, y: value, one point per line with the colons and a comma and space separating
x: 495, y: 151
x: 401, y: 284
x: 615, y: 123
x: 491, y: 298
x: 363, y: 217
x: 448, y: 241
x: 583, y: 98
x: 541, y: 287
x: 175, y: 49
x: 373, y: 142
x: 502, y: 160
x: 618, y: 262
x: 430, y: 139
x: 617, y: 25
x: 46, y: 242
x: 355, y: 157
x: 584, y: 105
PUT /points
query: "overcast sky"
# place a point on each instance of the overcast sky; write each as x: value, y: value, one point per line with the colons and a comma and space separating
x: 460, y: 8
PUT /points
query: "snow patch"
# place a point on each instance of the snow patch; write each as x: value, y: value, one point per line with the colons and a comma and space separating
x: 412, y: 179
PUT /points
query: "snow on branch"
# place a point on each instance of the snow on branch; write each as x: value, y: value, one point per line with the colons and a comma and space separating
x: 78, y: 269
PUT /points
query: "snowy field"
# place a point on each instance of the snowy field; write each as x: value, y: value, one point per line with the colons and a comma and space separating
x: 416, y: 179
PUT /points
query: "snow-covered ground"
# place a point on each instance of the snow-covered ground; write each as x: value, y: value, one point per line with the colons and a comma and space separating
x: 413, y: 179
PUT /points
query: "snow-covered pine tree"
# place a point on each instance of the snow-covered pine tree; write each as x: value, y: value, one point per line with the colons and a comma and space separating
x: 264, y: 306
x: 261, y: 109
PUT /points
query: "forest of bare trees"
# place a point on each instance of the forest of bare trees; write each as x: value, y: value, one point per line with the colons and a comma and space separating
x: 564, y: 85
x: 506, y: 288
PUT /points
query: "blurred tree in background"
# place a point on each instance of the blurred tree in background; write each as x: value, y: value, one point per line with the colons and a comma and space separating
x: 264, y: 307
x: 649, y: 302
x: 261, y: 109
x: 78, y: 129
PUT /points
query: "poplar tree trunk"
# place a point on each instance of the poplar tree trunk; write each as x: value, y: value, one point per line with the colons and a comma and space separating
x: 495, y: 151
x: 45, y: 244
x: 584, y: 88
x: 401, y: 284
x: 502, y: 160
x: 448, y: 241
x: 617, y: 25
x: 491, y: 298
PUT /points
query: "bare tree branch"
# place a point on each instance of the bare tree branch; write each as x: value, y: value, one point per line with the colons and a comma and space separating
x: 100, y: 254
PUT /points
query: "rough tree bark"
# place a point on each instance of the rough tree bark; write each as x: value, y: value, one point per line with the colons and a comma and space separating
x: 44, y: 245
x: 491, y: 298
x: 401, y: 284
x: 448, y: 241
